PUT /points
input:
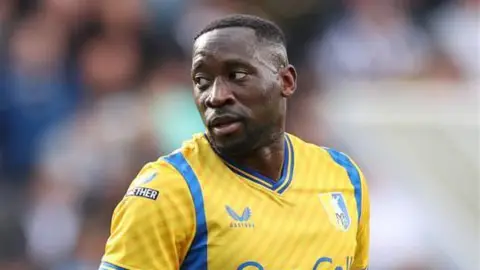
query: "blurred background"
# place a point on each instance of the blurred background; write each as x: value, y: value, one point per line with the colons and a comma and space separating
x: 90, y: 90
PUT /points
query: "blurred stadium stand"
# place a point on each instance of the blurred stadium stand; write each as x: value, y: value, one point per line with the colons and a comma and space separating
x: 422, y: 140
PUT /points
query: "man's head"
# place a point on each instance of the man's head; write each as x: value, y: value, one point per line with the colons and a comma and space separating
x: 242, y: 78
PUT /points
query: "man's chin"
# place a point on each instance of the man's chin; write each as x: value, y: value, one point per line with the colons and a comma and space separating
x: 231, y: 146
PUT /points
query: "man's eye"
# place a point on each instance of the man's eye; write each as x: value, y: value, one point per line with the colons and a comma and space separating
x: 238, y: 75
x: 202, y: 82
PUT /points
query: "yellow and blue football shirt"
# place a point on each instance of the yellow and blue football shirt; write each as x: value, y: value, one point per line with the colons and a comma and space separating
x: 194, y: 210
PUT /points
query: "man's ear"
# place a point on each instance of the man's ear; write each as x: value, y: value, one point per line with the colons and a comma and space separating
x: 288, y: 76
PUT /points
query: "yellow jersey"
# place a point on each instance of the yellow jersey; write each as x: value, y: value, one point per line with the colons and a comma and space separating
x: 195, y: 210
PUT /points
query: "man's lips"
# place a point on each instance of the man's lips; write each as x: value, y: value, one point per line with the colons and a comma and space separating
x: 223, y: 120
x: 224, y: 125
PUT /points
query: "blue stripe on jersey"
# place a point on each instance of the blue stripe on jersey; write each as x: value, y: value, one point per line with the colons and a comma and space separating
x: 110, y: 266
x: 291, y: 163
x: 353, y: 174
x: 197, y: 255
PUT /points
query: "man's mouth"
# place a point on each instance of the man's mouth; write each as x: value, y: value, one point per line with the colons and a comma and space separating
x: 225, y: 125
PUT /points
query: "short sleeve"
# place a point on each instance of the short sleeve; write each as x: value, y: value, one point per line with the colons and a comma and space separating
x: 361, y: 260
x: 153, y: 226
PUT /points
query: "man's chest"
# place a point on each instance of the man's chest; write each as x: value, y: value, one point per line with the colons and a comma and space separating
x: 304, y: 229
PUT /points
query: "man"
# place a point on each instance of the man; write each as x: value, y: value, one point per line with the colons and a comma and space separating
x: 244, y: 195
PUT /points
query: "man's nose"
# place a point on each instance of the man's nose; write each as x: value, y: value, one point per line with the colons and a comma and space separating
x: 220, y: 95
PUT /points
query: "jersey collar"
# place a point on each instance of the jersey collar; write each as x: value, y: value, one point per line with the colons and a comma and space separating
x: 285, y: 178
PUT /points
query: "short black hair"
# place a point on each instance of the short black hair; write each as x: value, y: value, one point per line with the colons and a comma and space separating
x: 264, y: 29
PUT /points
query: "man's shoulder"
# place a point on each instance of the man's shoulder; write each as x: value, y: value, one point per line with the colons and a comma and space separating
x: 156, y: 172
x: 307, y: 149
x: 316, y: 152
x: 166, y: 171
x: 196, y: 146
x: 155, y: 178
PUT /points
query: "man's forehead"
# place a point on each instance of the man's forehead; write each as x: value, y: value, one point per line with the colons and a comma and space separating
x: 237, y: 41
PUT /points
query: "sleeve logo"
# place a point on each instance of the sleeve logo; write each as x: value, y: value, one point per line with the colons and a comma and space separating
x: 110, y: 266
x: 145, y: 178
x: 144, y: 192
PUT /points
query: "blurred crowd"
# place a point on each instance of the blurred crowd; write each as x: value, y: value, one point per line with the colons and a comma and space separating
x: 91, y: 90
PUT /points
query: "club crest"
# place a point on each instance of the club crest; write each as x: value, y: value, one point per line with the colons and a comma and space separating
x: 336, y: 208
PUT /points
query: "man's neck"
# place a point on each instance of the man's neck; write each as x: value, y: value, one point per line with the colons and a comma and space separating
x: 266, y: 160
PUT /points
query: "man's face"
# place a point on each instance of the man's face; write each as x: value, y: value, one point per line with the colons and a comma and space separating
x: 237, y: 90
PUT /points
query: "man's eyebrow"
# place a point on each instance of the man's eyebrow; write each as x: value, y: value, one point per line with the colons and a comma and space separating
x: 197, y: 65
x: 231, y: 62
x: 237, y: 62
x: 268, y: 65
x: 241, y: 62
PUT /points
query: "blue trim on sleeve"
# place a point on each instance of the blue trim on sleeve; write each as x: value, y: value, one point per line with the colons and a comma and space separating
x: 110, y: 266
x: 353, y: 174
x: 197, y: 254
